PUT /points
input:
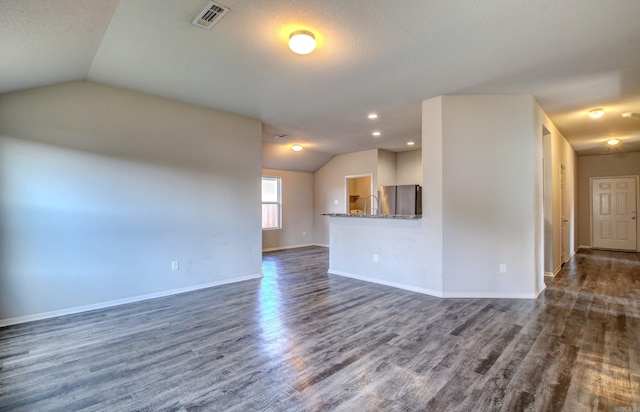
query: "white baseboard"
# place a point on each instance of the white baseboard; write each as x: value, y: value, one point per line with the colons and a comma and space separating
x: 117, y: 302
x: 411, y: 288
x: 554, y: 273
x: 541, y: 287
x: 438, y: 294
x: 273, y: 249
x: 490, y: 295
x: 572, y: 254
x: 584, y: 247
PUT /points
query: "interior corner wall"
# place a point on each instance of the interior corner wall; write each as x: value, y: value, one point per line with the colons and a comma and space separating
x: 609, y: 165
x: 387, y: 166
x: 329, y: 187
x: 102, y: 188
x: 409, y: 167
x: 490, y: 148
x: 297, y: 211
x: 433, y: 193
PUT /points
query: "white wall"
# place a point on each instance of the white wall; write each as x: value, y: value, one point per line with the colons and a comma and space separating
x: 386, y: 170
x: 297, y: 211
x: 101, y: 188
x: 399, y: 245
x: 621, y: 164
x: 329, y: 187
x: 432, y: 194
x: 489, y: 200
x: 409, y: 167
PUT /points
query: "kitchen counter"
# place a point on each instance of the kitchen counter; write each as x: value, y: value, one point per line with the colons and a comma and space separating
x: 363, y: 216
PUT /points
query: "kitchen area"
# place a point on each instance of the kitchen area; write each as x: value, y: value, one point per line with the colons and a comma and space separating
x: 371, y: 226
x: 391, y: 201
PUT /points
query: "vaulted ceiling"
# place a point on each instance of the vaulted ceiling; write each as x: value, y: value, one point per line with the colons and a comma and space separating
x: 372, y: 56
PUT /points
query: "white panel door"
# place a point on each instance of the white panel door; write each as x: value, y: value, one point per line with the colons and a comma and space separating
x: 614, y: 213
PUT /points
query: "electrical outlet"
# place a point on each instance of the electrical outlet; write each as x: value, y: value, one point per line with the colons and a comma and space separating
x: 503, y: 268
x: 335, y: 202
x: 375, y: 258
x: 175, y: 265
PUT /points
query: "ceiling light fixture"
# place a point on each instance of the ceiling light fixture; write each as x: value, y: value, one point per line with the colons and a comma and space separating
x: 296, y: 147
x: 372, y: 116
x: 596, y: 113
x: 629, y: 115
x: 375, y: 133
x: 411, y: 143
x: 302, y: 42
x: 613, y: 142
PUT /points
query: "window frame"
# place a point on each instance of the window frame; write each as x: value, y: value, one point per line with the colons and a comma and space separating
x: 278, y: 202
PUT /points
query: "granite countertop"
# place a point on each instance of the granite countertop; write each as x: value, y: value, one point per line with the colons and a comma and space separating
x: 360, y: 215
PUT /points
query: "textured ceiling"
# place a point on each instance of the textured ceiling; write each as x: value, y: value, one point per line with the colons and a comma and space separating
x: 382, y: 56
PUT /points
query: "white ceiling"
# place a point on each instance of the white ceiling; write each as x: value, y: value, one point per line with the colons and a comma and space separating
x: 372, y: 56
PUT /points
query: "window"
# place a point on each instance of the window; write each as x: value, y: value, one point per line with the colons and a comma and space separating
x: 271, y: 202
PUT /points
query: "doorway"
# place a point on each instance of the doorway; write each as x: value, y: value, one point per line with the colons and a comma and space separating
x: 358, y: 187
x: 564, y: 218
x: 614, y: 213
x: 547, y: 179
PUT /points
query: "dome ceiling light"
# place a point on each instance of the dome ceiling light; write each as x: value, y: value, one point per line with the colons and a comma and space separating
x: 613, y: 142
x: 296, y: 147
x: 302, y: 42
x: 596, y: 113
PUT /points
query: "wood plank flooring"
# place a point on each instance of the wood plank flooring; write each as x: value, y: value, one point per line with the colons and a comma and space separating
x: 302, y: 340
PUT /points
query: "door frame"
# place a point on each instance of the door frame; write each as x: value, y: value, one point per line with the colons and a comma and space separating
x: 565, y: 241
x: 637, y: 179
x: 347, y: 191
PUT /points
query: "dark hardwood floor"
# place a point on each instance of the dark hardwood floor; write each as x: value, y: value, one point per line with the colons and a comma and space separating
x: 302, y: 340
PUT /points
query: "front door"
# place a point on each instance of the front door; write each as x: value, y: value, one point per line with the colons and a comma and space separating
x: 614, y: 217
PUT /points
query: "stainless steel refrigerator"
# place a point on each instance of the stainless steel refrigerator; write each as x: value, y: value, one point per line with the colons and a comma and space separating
x: 400, y: 200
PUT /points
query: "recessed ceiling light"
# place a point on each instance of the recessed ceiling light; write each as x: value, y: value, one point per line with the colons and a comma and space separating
x: 411, y: 143
x: 596, y: 113
x: 376, y: 133
x: 372, y: 116
x: 302, y: 42
x: 613, y: 142
x: 296, y: 147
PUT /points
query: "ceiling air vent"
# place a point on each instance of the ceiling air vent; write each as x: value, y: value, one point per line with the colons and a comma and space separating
x: 210, y: 15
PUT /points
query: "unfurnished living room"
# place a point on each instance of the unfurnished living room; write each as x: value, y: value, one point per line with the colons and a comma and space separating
x: 319, y: 205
